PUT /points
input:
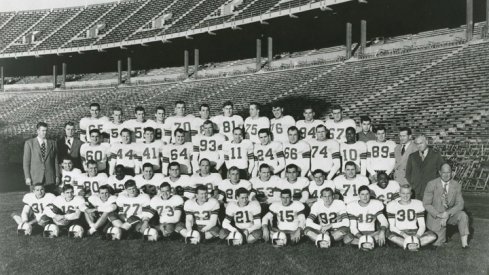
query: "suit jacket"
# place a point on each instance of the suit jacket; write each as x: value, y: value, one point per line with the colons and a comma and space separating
x: 433, y: 201
x: 37, y: 169
x: 74, y: 152
x: 401, y: 161
x: 420, y: 172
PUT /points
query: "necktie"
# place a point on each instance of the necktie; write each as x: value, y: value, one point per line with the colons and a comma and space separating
x: 445, y: 195
x: 43, y: 150
x: 422, y: 156
x: 403, y: 150
x: 68, y: 142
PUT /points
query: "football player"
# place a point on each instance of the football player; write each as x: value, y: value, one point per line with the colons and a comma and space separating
x: 298, y: 186
x: 406, y: 218
x: 385, y: 190
x: 204, y: 112
x: 176, y: 179
x: 269, y: 152
x: 289, y: 215
x: 325, y: 153
x: 90, y: 182
x: 69, y: 175
x: 243, y: 216
x: 99, y: 208
x: 353, y: 150
x: 148, y: 180
x: 118, y: 180
x: 332, y: 218
x: 138, y: 124
x: 168, y: 208
x: 181, y: 121
x: 308, y: 125
x: 180, y: 152
x: 206, y: 178
x: 66, y: 208
x: 297, y: 151
x: 380, y: 154
x: 201, y: 214
x: 208, y: 146
x: 280, y: 123
x: 318, y: 184
x: 266, y: 186
x: 149, y: 151
x: 112, y: 129
x: 338, y: 125
x: 364, y: 214
x: 228, y: 121
x: 160, y: 125
x: 349, y: 184
x: 124, y: 153
x: 254, y: 123
x: 95, y: 121
x: 239, y: 152
x: 229, y: 186
x: 94, y: 150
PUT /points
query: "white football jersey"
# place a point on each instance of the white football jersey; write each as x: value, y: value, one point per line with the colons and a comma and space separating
x: 252, y: 126
x: 70, y: 177
x: 387, y: 194
x: 38, y: 205
x: 323, y: 153
x: 365, y: 215
x: 268, y: 154
x: 133, y: 206
x: 296, y: 188
x: 124, y: 154
x: 380, y: 155
x: 102, y: 206
x: 186, y: 123
x: 308, y: 128
x: 238, y: 154
x: 280, y: 126
x: 337, y: 130
x: 202, y: 213
x: 229, y: 189
x: 160, y: 132
x: 166, y: 208
x: 299, y: 154
x: 349, y: 187
x: 178, y: 153
x: 335, y: 214
x: 88, y: 123
x: 137, y: 128
x: 114, y: 131
x: 244, y: 216
x: 315, y: 190
x: 353, y: 152
x: 211, y: 181
x: 156, y: 180
x: 118, y: 185
x: 226, y: 125
x: 270, y: 188
x: 92, y: 183
x: 99, y: 153
x: 287, y: 216
x: 67, y: 207
x: 184, y: 182
x: 149, y: 153
x: 405, y: 217
x: 208, y: 147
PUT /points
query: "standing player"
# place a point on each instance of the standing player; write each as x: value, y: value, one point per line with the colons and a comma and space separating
x: 385, y: 190
x: 308, y: 125
x: 297, y: 151
x: 180, y: 152
x: 318, y: 184
x: 100, y: 206
x: 239, y: 152
x: 119, y: 178
x: 269, y: 152
x: 160, y: 125
x: 95, y: 121
x: 176, y: 180
x: 289, y: 215
x: 280, y: 123
x: 406, y: 219
x: 332, y: 218
x: 349, y: 184
x: 66, y: 208
x: 148, y: 180
x: 325, y: 153
x: 380, y: 154
x: 227, y: 122
x: 149, y: 151
x: 138, y: 124
x: 124, y: 153
x: 266, y: 186
x: 243, y: 216
x: 298, y: 186
x: 181, y: 121
x: 229, y: 186
x: 355, y: 151
x: 112, y: 129
x: 69, y: 175
x: 96, y: 151
x: 91, y: 180
x: 254, y: 123
x: 204, y: 112
x: 208, y: 146
x: 364, y: 214
x: 206, y: 178
x: 338, y: 125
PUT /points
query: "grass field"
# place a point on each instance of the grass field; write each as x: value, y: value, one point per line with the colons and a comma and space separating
x: 35, y: 255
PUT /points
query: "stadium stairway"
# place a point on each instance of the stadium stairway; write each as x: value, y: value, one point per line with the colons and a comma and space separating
x: 18, y: 26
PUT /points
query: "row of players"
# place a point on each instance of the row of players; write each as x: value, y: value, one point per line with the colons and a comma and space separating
x: 247, y: 214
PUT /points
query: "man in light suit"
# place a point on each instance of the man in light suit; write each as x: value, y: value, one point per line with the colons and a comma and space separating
x: 69, y: 146
x: 402, y: 152
x: 422, y: 166
x: 41, y: 160
x: 444, y: 203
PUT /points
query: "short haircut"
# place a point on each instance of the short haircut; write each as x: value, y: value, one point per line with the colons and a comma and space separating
x: 117, y: 109
x: 327, y: 189
x: 351, y: 129
x: 308, y: 107
x: 256, y: 104
x: 380, y: 128
x: 318, y: 171
x: 119, y: 166
x: 147, y: 164
x: 363, y: 188
x: 208, y: 122
x: 365, y: 118
x: 38, y: 184
x: 179, y: 130
x: 67, y: 157
x: 406, y: 129
x: 285, y: 192
x: 204, y: 105
x: 204, y: 159
x: 95, y: 105
x: 293, y: 129
x: 350, y: 163
x: 160, y: 108
x: 69, y: 123
x: 406, y: 186
x: 264, y: 131
x: 41, y: 124
x: 105, y: 187
x: 125, y: 130
x: 291, y: 166
x: 322, y: 126
x: 94, y: 131
x: 173, y: 164
x: 336, y: 107
x: 233, y: 168
x: 228, y: 103
x: 67, y: 187
x: 277, y: 104
x: 179, y: 102
x: 264, y: 165
x: 149, y: 129
x: 240, y: 130
x: 91, y: 162
x: 382, y: 173
x: 242, y: 190
x: 165, y: 184
x: 200, y: 187
x: 129, y: 183
x: 139, y: 108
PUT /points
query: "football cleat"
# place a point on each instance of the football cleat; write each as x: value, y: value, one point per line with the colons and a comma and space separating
x: 412, y: 243
x: 323, y: 241
x: 114, y: 233
x: 24, y: 229
x: 193, y: 237
x: 279, y: 239
x: 51, y: 231
x: 235, y: 238
x: 150, y: 234
x: 75, y: 231
x: 366, y: 243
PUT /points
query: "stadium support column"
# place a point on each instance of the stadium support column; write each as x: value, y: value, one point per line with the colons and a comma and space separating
x: 348, y: 40
x: 54, y: 77
x: 196, y: 61
x: 258, y: 54
x: 270, y: 52
x: 2, y: 80
x: 185, y: 63
x: 63, y: 77
x: 363, y: 36
x: 487, y: 18
x: 129, y: 70
x: 119, y: 72
x: 470, y: 19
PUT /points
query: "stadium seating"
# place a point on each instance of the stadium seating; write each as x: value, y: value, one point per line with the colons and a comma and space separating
x: 18, y: 25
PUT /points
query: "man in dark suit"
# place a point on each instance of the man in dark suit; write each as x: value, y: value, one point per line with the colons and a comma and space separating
x: 422, y: 166
x: 69, y: 146
x: 41, y: 160
x: 402, y: 152
x: 444, y: 203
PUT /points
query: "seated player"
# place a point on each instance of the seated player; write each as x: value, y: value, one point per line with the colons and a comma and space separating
x: 148, y: 180
x: 332, y: 218
x: 289, y: 216
x: 98, y: 210
x: 229, y: 186
x: 69, y: 175
x: 66, y: 208
x: 299, y: 186
x: 353, y: 150
x: 149, y: 150
x: 205, y: 177
x: 385, y: 190
x: 239, y: 152
x: 119, y: 178
x: 364, y: 214
x: 325, y: 153
x: 90, y: 182
x: 243, y: 216
x: 201, y: 215
x: 319, y: 183
x: 269, y: 152
x: 348, y: 185
x: 266, y: 187
x: 131, y: 207
x: 406, y: 218
x: 34, y: 205
x: 176, y: 180
x: 180, y: 152
x: 297, y: 151
x: 168, y: 209
x: 124, y: 153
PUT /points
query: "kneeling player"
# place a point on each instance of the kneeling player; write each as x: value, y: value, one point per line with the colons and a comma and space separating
x: 406, y: 220
x: 289, y: 215
x: 363, y: 215
x: 66, y: 208
x: 131, y: 206
x: 100, y: 206
x: 332, y: 218
x: 201, y: 214
x: 245, y: 215
x: 168, y: 208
